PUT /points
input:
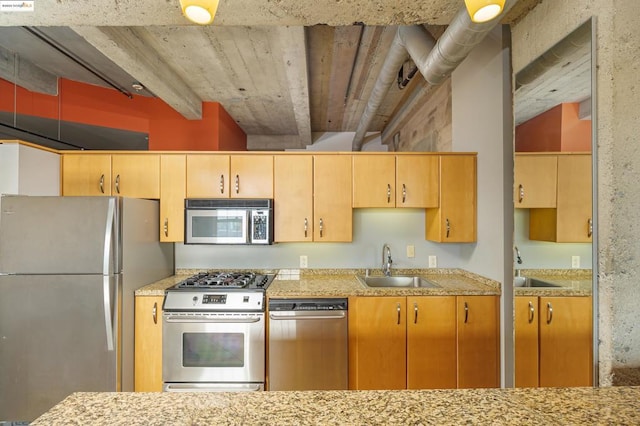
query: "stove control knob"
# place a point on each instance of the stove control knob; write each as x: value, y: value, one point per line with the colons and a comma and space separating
x: 195, y: 300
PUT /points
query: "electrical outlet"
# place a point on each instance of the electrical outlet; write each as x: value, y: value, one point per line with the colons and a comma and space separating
x: 411, y: 251
x: 433, y: 262
x: 303, y: 261
x: 575, y: 262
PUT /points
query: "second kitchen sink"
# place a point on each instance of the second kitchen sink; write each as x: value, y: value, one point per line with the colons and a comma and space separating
x: 396, y: 281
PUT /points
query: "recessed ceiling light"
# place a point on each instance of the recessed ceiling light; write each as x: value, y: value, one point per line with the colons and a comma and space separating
x: 137, y: 86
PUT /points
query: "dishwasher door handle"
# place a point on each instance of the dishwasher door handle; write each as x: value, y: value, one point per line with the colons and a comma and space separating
x: 292, y: 315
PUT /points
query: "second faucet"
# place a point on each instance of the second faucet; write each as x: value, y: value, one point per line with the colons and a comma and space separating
x: 386, y: 260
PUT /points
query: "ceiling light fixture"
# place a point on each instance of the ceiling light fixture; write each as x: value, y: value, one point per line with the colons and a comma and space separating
x: 199, y: 11
x: 484, y: 10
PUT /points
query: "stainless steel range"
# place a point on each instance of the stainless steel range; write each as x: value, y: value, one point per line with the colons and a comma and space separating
x: 214, y: 333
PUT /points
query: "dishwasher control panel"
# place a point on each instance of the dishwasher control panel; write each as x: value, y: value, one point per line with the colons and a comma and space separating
x: 308, y: 305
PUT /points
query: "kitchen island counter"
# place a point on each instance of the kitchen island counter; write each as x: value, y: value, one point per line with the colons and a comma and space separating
x: 613, y: 405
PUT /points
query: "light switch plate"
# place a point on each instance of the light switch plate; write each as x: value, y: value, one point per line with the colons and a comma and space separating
x: 433, y: 262
x: 303, y: 261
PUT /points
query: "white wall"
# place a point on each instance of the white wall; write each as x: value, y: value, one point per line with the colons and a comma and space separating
x: 28, y: 171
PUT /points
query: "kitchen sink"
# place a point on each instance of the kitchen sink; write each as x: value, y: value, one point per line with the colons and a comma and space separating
x: 396, y: 281
x: 532, y: 283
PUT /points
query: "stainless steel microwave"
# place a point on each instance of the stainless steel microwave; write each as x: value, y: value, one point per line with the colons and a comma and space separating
x: 228, y: 221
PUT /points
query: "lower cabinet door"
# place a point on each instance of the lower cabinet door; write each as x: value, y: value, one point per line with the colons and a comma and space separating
x: 566, y: 355
x: 478, y: 342
x: 148, y: 344
x: 431, y: 342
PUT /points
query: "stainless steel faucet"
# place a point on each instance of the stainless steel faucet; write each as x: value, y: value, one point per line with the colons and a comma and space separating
x: 386, y: 260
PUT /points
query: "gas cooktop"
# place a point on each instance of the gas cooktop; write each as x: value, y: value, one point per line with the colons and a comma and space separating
x: 225, y: 280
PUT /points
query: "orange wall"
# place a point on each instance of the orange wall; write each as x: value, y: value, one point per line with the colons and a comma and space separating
x: 167, y: 129
x: 558, y: 129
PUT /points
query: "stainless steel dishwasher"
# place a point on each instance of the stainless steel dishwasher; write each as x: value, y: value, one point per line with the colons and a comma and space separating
x: 308, y: 341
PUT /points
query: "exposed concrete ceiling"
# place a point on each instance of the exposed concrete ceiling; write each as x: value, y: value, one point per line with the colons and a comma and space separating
x: 282, y: 68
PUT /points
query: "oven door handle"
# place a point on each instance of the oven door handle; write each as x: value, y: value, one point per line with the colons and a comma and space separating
x: 307, y: 315
x: 210, y: 320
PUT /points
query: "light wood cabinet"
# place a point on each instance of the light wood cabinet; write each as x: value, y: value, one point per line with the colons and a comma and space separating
x: 84, y: 174
x: 126, y: 175
x: 395, y: 181
x: 332, y: 212
x: 553, y: 341
x: 478, y: 320
x: 423, y: 342
x: 312, y: 197
x: 535, y: 181
x: 454, y: 220
x: 526, y: 342
x: 172, y: 194
x: 431, y: 342
x: 377, y: 343
x: 571, y: 220
x: 293, y: 198
x: 148, y: 344
x: 136, y: 175
x: 229, y: 176
x: 566, y: 338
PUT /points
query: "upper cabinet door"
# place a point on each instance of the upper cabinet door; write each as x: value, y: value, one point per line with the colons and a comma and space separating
x: 172, y: 194
x: 84, y: 174
x: 251, y: 176
x: 535, y: 182
x: 374, y: 181
x: 136, y: 175
x: 208, y: 176
x: 574, y: 198
x: 417, y: 181
x: 454, y: 220
x: 293, y: 198
x: 333, y: 220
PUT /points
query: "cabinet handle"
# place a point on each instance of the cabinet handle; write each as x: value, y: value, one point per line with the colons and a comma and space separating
x: 222, y: 184
x: 388, y: 193
x: 531, y: 312
x: 404, y: 193
x: 154, y: 313
x: 166, y: 227
x: 306, y: 226
x: 448, y: 225
x: 466, y: 312
x: 118, y: 184
x: 589, y: 227
x: 399, y: 311
x: 321, y: 227
x: 415, y: 313
x: 237, y: 184
x: 549, y: 313
x: 102, y: 184
x: 520, y: 193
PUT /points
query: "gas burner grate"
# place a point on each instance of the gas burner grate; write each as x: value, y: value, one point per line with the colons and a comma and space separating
x: 227, y: 280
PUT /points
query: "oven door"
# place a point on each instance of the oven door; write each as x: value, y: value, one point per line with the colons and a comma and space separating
x: 217, y: 226
x: 220, y: 348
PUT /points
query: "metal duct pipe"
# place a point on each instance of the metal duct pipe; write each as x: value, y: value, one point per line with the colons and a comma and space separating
x: 434, y: 62
x: 413, y: 40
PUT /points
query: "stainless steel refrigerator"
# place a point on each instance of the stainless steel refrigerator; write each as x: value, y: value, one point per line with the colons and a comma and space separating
x: 69, y: 267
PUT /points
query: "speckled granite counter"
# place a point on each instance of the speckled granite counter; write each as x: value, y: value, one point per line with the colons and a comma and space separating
x: 575, y: 406
x: 571, y: 282
x: 343, y: 283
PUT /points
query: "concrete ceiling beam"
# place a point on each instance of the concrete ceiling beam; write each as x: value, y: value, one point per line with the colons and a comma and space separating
x: 274, y: 142
x: 132, y: 51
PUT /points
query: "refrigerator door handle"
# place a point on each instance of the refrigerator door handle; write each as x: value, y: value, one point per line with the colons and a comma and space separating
x: 106, y: 287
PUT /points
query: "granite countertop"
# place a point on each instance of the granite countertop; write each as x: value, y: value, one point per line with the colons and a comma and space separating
x: 542, y: 406
x: 343, y: 283
x: 571, y: 282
